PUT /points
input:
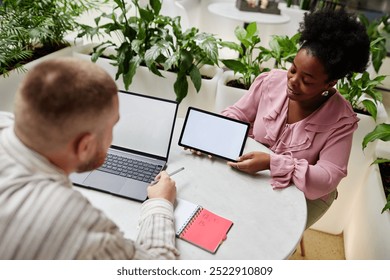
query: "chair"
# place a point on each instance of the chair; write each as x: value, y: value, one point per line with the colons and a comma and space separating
x: 302, y: 246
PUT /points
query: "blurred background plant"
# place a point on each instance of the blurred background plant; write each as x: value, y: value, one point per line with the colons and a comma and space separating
x: 30, y: 27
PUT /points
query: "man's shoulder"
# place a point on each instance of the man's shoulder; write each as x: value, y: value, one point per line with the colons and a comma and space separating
x: 6, y: 119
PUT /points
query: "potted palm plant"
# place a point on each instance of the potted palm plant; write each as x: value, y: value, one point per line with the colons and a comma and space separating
x: 139, y: 40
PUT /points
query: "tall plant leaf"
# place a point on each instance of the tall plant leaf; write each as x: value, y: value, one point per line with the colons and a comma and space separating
x: 381, y: 131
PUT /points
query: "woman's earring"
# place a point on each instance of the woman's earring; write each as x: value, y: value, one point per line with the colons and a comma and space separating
x: 325, y: 93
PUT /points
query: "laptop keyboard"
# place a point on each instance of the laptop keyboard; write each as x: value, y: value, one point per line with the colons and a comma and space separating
x: 130, y: 168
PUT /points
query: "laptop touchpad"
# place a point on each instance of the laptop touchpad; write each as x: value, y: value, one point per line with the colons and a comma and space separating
x: 135, y: 189
x: 105, y: 182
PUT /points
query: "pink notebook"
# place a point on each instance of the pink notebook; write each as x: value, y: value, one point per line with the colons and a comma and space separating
x: 199, y: 226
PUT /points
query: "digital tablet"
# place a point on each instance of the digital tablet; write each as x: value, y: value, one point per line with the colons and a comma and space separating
x: 214, y: 134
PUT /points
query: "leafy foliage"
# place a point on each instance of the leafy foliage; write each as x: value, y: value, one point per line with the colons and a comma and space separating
x: 380, y: 132
x: 282, y: 48
x: 354, y: 87
x: 149, y: 38
x: 247, y: 63
x: 28, y: 25
x: 375, y: 30
x: 251, y: 54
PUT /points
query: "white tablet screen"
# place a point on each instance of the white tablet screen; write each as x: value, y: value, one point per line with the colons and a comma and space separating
x: 214, y: 134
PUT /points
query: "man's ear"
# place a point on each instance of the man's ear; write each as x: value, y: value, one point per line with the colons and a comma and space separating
x: 84, y: 145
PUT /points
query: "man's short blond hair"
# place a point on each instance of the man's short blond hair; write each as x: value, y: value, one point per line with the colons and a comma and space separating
x: 62, y: 96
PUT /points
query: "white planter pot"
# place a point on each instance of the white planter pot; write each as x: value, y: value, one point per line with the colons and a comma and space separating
x: 9, y: 84
x: 227, y: 95
x: 337, y: 217
x: 145, y: 82
x: 367, y: 234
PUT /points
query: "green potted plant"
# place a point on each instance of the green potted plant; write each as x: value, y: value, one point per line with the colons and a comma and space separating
x: 250, y: 62
x: 282, y: 49
x: 247, y: 64
x: 356, y: 87
x: 361, y: 90
x: 376, y: 30
x: 147, y: 38
x: 241, y: 71
x: 31, y: 31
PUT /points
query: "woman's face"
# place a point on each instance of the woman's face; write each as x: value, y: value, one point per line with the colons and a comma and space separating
x: 306, y: 78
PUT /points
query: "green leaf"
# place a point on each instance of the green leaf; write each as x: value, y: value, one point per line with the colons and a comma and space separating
x: 240, y: 33
x: 153, y: 53
x: 153, y: 68
x: 196, y: 78
x: 186, y: 61
x: 128, y: 77
x: 387, y: 205
x: 251, y: 30
x: 381, y: 160
x: 147, y: 15
x: 233, y: 46
x: 370, y: 107
x: 381, y: 131
x: 156, y: 6
x: 171, y: 61
x: 234, y: 65
x: 180, y: 87
x: 210, y: 48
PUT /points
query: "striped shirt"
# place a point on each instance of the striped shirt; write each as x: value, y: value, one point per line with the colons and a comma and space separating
x: 43, y: 217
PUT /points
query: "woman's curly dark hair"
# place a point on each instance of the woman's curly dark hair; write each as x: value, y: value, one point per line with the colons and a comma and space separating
x: 338, y: 40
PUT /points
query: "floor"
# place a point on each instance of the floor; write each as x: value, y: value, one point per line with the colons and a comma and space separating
x: 320, y: 246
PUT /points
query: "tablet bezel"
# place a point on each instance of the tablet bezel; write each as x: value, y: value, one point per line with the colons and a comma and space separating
x: 217, y: 116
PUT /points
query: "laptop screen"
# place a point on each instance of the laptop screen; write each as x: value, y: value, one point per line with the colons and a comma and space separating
x: 145, y: 124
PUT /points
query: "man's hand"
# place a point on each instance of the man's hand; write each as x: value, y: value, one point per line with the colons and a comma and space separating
x: 165, y: 188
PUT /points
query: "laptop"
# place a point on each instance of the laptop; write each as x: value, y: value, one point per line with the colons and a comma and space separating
x: 214, y: 134
x: 140, y: 148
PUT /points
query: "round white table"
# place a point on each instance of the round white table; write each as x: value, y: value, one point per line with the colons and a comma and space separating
x: 268, y: 223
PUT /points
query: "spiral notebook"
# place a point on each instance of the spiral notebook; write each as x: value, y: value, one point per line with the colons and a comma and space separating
x: 200, y: 226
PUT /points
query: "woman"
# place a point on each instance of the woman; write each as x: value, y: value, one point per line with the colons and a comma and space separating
x: 301, y: 117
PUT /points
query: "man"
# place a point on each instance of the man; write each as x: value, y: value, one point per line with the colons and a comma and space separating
x: 65, y: 110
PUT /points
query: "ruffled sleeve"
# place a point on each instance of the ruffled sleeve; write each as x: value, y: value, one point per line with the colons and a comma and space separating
x: 318, y: 168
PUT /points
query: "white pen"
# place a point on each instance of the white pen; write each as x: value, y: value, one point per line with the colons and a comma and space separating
x: 169, y: 174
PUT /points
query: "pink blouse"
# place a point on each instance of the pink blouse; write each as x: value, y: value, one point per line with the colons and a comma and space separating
x: 312, y: 153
